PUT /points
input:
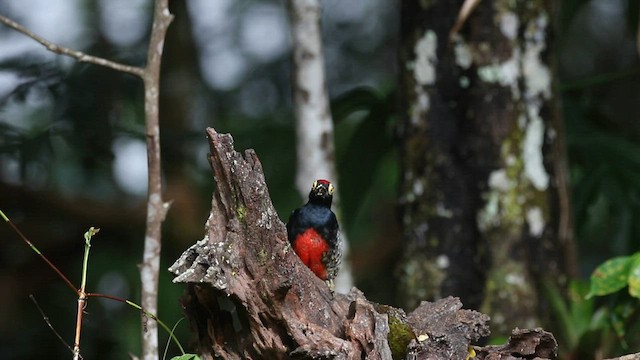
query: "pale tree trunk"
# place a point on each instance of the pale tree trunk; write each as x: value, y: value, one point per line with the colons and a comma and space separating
x: 314, y: 125
x: 479, y: 193
x: 156, y: 207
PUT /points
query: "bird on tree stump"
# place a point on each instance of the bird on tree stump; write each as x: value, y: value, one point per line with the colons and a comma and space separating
x: 314, y: 233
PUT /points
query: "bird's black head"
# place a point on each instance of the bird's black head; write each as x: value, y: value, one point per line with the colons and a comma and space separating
x: 321, y: 193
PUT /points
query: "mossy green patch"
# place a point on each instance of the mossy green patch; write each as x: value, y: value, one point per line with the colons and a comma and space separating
x: 241, y: 212
x: 263, y: 256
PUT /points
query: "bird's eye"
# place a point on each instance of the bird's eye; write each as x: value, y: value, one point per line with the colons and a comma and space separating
x: 330, y: 189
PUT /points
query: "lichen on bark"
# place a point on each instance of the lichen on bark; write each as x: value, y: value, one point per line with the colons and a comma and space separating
x: 480, y: 152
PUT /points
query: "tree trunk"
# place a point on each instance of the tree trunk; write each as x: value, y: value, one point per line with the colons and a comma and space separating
x: 314, y: 124
x: 479, y: 198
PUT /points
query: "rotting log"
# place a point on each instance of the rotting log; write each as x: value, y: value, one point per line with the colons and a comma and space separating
x: 249, y: 296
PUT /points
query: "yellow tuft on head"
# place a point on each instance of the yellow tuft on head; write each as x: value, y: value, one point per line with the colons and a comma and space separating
x: 327, y: 183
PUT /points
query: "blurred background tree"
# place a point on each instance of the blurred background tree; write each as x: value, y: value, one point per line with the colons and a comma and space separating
x: 72, y: 151
x: 479, y: 191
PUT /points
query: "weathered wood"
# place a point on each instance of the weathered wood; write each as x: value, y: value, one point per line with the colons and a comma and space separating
x: 250, y: 296
x: 522, y: 344
x: 635, y: 356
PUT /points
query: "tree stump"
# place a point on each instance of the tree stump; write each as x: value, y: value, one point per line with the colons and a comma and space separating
x: 250, y: 297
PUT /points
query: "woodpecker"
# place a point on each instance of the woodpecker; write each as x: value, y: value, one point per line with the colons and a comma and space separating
x: 314, y: 233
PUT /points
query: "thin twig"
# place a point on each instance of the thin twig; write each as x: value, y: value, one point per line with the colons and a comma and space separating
x: 35, y: 249
x: 466, y: 10
x: 46, y: 320
x: 78, y: 55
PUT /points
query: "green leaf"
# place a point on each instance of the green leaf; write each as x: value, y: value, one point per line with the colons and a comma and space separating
x: 186, y: 357
x: 610, y: 276
x: 634, y: 276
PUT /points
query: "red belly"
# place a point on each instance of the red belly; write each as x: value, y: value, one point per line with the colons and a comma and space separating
x: 311, y: 247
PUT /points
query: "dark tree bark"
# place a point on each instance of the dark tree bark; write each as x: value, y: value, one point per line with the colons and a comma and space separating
x: 479, y: 194
x: 250, y: 296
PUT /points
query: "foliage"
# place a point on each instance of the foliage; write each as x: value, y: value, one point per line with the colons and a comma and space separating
x: 186, y: 357
x: 616, y: 274
x: 581, y: 325
x: 612, y: 276
x: 364, y: 120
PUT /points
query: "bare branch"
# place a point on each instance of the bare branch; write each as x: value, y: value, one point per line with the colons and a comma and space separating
x: 466, y: 10
x: 156, y: 207
x: 35, y: 249
x: 78, y: 55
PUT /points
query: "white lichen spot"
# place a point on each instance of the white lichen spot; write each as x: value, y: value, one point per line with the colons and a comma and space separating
x: 424, y: 103
x: 442, y: 211
x: 464, y: 82
x: 536, y: 222
x: 500, y: 186
x: 418, y: 188
x: 509, y: 24
x: 409, y: 197
x: 488, y: 216
x: 536, y: 74
x: 442, y: 261
x: 463, y: 55
x: 536, y: 29
x: 426, y: 59
x: 489, y: 73
x: 522, y: 121
x: 422, y: 337
x: 515, y: 279
x: 532, y: 154
x: 498, y: 180
x: 505, y: 73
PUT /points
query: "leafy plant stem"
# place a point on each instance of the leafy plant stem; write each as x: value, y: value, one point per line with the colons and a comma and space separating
x: 173, y: 329
x: 82, y: 296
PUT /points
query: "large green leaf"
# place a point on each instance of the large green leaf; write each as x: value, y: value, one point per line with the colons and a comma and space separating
x: 610, y: 276
x: 634, y: 276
